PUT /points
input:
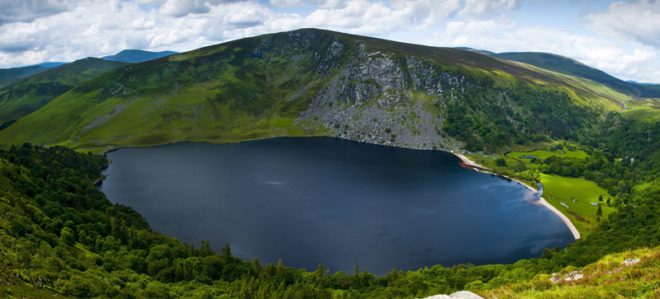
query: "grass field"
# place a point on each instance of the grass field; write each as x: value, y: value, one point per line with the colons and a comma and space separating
x: 578, y: 194
x: 557, y: 189
x: 543, y: 154
x: 645, y: 110
x: 607, y: 278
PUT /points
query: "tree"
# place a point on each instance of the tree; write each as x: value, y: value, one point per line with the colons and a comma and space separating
x: 67, y: 236
x: 205, y: 249
x: 255, y: 267
x: 600, y: 198
x: 599, y: 212
x: 500, y: 162
x: 321, y: 275
x: 226, y: 251
x: 609, y: 201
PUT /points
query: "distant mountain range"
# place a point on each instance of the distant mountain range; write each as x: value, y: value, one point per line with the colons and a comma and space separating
x: 572, y: 67
x: 565, y: 65
x: 313, y: 82
x: 11, y: 75
x: 136, y: 56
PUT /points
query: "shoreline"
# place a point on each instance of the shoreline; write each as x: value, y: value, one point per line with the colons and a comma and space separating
x: 475, y: 166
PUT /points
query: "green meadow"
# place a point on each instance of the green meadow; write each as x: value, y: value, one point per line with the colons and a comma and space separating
x: 643, y: 110
x: 578, y: 194
x: 543, y: 154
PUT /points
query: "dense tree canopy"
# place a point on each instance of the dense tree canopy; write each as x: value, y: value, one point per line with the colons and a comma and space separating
x: 59, y: 233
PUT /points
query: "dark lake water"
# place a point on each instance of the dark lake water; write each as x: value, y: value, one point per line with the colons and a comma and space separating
x: 340, y: 203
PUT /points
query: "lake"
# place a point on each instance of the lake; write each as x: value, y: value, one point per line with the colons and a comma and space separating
x: 341, y: 203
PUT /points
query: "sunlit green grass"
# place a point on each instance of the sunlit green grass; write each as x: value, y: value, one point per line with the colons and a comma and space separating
x: 558, y: 189
x: 578, y: 194
x: 606, y: 278
x: 543, y: 154
x: 645, y: 110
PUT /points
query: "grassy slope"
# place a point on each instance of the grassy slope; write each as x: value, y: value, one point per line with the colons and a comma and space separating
x: 607, y: 278
x: 644, y: 110
x: 559, y: 189
x: 543, y: 154
x: 11, y: 75
x: 23, y: 97
x: 224, y: 93
x: 574, y: 68
x: 567, y: 66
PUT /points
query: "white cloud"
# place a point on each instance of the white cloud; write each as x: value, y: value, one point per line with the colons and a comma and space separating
x: 479, y: 7
x: 25, y: 10
x: 624, y: 59
x: 180, y: 8
x: 317, y: 3
x: 639, y: 21
x: 382, y: 17
x: 46, y: 32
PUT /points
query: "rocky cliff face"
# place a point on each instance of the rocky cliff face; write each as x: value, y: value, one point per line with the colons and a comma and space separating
x: 384, y: 98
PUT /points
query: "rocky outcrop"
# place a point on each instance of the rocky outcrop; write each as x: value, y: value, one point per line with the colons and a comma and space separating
x: 457, y: 295
x: 381, y: 97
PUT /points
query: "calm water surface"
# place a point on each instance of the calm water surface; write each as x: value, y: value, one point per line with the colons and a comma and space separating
x: 340, y: 203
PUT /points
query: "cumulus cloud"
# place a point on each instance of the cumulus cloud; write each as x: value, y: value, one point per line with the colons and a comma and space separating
x: 318, y: 3
x: 635, y: 20
x: 180, y: 8
x: 58, y: 30
x: 624, y: 59
x: 380, y: 17
x: 479, y: 7
x: 28, y: 10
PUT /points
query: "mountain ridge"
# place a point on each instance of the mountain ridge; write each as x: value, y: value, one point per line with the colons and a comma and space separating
x: 31, y: 93
x: 311, y: 82
x: 11, y: 75
x: 137, y: 56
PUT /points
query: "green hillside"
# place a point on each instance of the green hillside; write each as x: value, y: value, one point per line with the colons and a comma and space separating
x: 11, y: 75
x: 315, y: 82
x: 572, y: 67
x: 30, y: 94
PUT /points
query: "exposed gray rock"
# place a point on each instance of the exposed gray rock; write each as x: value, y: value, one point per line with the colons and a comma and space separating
x: 383, y: 99
x: 630, y: 261
x: 457, y: 295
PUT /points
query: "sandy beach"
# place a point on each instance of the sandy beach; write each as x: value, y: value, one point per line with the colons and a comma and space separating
x: 469, y: 163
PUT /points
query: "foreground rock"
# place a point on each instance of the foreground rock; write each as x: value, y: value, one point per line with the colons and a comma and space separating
x: 457, y: 295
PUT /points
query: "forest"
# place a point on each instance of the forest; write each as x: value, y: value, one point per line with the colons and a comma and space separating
x: 60, y: 235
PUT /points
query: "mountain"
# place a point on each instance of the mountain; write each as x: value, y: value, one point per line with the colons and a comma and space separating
x: 30, y: 94
x: 316, y: 82
x: 480, y: 51
x: 572, y: 67
x: 136, y: 56
x: 11, y: 75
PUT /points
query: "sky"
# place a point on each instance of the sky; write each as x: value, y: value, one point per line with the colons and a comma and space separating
x: 619, y: 37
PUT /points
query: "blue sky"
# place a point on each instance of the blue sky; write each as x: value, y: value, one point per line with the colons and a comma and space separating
x: 620, y: 37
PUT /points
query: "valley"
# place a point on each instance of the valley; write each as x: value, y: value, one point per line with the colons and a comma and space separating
x: 223, y: 168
